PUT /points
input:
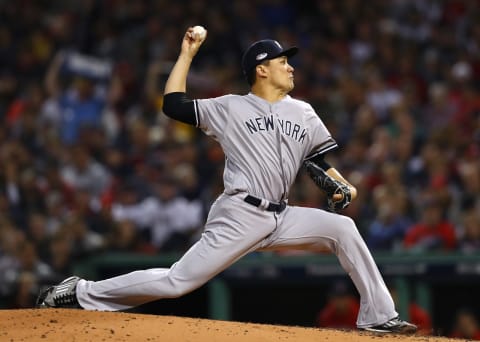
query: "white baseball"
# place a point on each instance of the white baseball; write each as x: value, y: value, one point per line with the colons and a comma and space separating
x: 200, y: 32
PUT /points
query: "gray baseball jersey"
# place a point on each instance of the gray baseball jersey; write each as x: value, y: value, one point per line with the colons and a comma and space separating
x: 265, y: 145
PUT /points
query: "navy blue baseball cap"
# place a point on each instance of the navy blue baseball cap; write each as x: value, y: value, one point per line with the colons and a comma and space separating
x: 263, y: 50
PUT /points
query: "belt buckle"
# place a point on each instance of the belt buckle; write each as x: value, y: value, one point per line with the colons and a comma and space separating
x: 281, y: 207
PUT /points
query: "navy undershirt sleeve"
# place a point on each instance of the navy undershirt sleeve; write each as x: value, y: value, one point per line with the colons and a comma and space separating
x: 178, y: 107
x: 319, y: 159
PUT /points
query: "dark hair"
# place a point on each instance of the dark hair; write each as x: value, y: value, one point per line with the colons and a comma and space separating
x: 251, y: 75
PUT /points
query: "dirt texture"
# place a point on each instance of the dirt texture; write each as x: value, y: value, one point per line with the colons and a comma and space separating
x: 78, y: 325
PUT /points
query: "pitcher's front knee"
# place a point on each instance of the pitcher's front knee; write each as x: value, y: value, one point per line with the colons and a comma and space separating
x: 179, y: 286
x: 347, y: 227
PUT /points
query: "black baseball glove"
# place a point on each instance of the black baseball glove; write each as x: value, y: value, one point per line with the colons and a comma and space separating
x: 330, y: 185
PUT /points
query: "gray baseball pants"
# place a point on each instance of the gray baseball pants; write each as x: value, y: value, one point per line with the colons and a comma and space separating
x: 235, y: 228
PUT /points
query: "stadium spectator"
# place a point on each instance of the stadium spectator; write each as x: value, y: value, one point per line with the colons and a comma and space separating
x: 166, y: 217
x: 341, y: 309
x: 124, y: 237
x: 465, y: 326
x: 130, y: 208
x: 28, y: 276
x: 178, y: 217
x: 469, y: 239
x: 82, y: 172
x: 61, y: 253
x: 10, y: 240
x: 433, y: 232
x: 77, y: 108
x: 388, y: 229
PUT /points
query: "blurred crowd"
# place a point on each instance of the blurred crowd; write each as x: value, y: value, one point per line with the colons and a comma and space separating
x: 88, y: 162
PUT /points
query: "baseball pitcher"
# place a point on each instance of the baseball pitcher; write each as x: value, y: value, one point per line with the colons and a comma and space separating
x: 267, y: 136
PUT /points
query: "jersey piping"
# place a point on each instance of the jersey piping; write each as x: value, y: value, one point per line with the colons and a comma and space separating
x: 324, y: 150
x: 196, y: 113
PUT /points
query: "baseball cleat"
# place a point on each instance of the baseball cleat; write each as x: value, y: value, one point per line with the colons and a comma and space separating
x: 395, y: 326
x: 62, y: 295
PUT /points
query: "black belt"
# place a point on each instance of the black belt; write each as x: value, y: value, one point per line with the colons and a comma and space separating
x: 271, y: 206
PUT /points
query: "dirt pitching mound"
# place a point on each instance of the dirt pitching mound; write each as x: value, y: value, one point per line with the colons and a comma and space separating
x: 78, y: 325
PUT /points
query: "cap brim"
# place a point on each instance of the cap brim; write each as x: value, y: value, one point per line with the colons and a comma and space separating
x: 288, y: 52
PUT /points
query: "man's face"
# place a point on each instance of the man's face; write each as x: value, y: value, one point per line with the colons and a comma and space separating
x: 280, y: 73
x: 84, y: 87
x: 432, y: 216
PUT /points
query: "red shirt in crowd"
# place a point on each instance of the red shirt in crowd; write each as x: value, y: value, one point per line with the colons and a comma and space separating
x: 340, y: 312
x: 439, y: 236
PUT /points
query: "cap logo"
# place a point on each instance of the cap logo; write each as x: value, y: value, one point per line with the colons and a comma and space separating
x: 261, y: 56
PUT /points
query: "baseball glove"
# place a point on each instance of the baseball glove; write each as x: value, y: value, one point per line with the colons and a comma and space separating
x: 330, y: 185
